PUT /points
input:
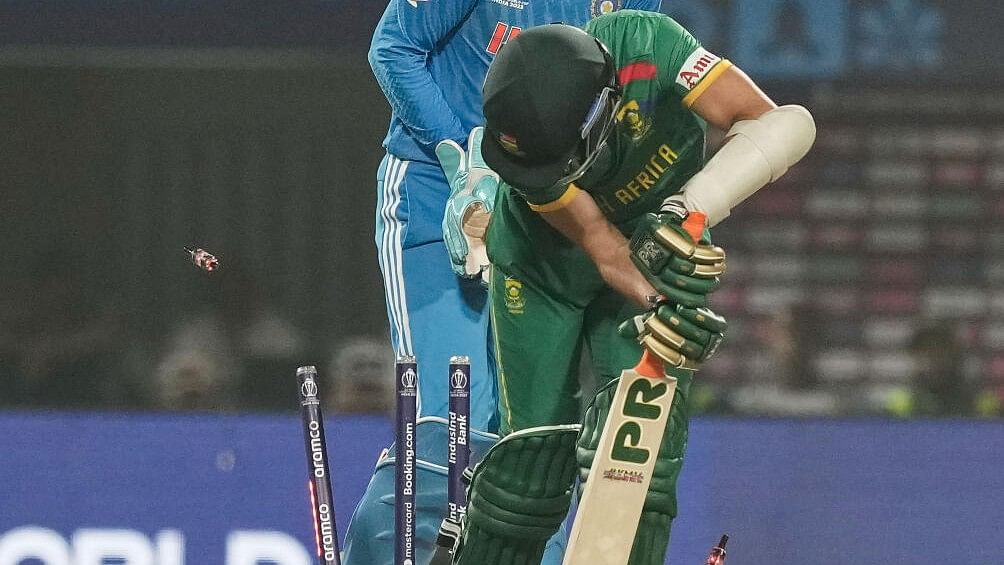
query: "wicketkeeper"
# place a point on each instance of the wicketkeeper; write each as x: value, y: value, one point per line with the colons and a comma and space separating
x: 599, y: 136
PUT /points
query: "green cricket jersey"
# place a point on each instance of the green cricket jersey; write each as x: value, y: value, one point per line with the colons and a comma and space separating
x: 657, y: 145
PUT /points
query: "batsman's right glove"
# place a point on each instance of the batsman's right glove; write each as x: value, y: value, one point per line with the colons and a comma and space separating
x: 670, y: 251
x: 682, y: 337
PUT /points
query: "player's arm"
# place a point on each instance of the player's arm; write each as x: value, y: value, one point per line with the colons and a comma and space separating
x: 730, y: 98
x: 682, y: 270
x: 402, y: 41
x: 676, y: 328
x: 582, y: 221
x: 763, y: 141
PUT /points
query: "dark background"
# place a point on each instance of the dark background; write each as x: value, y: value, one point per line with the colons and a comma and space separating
x: 253, y: 129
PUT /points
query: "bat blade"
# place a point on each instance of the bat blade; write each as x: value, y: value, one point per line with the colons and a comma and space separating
x: 607, y: 517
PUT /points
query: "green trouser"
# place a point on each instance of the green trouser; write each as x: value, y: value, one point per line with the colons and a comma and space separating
x: 539, y: 334
x: 540, y: 321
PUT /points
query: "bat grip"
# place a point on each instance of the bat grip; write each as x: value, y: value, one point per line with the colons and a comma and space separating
x: 649, y: 366
x: 694, y: 225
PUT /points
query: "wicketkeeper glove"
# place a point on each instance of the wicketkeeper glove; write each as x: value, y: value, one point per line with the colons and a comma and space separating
x: 682, y: 337
x: 669, y: 249
x: 473, y: 187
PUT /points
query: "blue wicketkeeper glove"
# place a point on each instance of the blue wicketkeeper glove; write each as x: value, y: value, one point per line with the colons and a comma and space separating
x: 473, y: 187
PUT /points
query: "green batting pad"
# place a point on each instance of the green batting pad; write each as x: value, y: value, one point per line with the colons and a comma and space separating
x: 519, y: 497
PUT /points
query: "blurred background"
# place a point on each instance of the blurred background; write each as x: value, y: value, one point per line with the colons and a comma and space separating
x: 865, y: 286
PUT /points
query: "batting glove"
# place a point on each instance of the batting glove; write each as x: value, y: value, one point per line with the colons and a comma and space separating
x: 669, y: 249
x: 682, y: 337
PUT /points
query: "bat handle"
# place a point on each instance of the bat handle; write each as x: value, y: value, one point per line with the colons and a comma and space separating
x: 694, y: 225
x: 650, y: 366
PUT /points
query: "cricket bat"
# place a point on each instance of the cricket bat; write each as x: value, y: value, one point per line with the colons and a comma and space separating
x: 611, y: 504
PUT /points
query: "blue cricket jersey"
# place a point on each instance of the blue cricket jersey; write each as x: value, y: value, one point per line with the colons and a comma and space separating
x: 431, y: 56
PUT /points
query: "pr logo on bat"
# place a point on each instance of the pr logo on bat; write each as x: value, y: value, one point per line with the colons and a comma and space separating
x: 640, y: 404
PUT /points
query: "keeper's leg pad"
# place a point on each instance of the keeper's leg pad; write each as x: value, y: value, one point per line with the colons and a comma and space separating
x: 519, y: 496
x: 370, y: 538
x: 652, y: 538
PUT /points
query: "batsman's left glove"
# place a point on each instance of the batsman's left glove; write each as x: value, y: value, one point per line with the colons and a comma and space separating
x: 682, y: 337
x: 473, y: 186
x: 669, y: 250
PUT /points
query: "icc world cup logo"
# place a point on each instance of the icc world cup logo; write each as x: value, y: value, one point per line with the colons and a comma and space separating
x: 309, y: 388
x: 409, y: 379
x: 458, y: 379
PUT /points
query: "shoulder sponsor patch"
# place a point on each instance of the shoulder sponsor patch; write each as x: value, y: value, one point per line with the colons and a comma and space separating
x: 696, y: 67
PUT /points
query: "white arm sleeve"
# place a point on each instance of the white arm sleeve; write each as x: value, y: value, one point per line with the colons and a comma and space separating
x: 758, y: 152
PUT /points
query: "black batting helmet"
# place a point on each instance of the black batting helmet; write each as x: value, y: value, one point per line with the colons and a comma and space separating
x: 550, y: 99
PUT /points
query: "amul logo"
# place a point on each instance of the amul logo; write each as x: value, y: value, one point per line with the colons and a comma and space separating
x: 696, y: 67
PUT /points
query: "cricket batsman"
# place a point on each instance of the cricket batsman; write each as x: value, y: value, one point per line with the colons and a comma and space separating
x: 599, y: 238
x: 434, y: 198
